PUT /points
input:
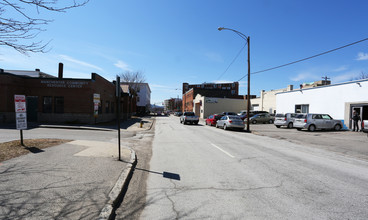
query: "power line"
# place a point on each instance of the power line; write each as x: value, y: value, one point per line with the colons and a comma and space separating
x: 320, y: 54
x: 232, y: 61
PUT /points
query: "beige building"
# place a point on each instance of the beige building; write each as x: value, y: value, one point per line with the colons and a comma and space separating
x: 267, y: 100
x: 206, y: 106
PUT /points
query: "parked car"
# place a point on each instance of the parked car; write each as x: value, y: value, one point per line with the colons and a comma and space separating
x: 229, y: 113
x: 230, y: 121
x: 313, y: 122
x: 284, y: 120
x: 365, y: 126
x: 178, y: 113
x: 243, y: 114
x: 189, y: 118
x: 212, y: 119
x: 261, y: 118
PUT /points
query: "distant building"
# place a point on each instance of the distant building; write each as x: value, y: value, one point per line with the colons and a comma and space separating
x: 173, y: 104
x: 315, y: 84
x: 143, y: 95
x: 206, y: 106
x: 216, y: 90
x: 267, y: 100
x: 36, y: 73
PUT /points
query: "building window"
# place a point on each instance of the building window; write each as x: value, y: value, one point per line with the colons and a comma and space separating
x: 107, y: 106
x: 232, y: 92
x: 301, y: 108
x: 59, y: 104
x: 47, y: 104
x: 233, y: 85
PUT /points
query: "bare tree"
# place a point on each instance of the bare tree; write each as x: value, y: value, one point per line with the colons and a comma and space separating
x: 362, y: 76
x: 19, y: 25
x: 133, y: 79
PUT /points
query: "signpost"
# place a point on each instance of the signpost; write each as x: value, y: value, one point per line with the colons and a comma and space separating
x: 20, y: 114
x: 118, y: 95
x: 96, y: 104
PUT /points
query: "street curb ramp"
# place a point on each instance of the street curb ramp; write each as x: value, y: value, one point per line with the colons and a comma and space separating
x: 117, y: 193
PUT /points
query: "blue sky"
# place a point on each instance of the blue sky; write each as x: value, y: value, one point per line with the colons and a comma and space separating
x: 174, y: 41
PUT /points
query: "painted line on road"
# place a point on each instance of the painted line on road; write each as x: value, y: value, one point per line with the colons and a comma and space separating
x: 223, y: 151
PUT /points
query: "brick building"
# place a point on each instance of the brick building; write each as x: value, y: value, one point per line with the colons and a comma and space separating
x: 219, y: 90
x: 61, y: 100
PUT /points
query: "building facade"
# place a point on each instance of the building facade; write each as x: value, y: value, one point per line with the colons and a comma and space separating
x: 206, y: 106
x: 221, y: 90
x: 267, y: 100
x: 143, y: 95
x: 337, y: 100
x: 61, y: 100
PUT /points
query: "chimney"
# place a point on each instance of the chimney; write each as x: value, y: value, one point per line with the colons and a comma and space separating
x: 61, y: 67
x: 37, y: 70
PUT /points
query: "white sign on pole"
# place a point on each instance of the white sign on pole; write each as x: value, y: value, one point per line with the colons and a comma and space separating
x: 20, y: 111
x: 21, y: 119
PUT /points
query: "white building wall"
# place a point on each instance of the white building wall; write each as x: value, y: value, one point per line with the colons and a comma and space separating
x: 217, y: 105
x: 330, y: 99
x: 144, y: 95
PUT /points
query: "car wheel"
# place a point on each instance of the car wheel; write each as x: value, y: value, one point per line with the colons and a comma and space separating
x: 254, y: 122
x: 278, y: 126
x: 290, y: 125
x: 216, y: 126
x: 181, y: 121
x: 312, y: 128
x: 195, y: 123
x: 337, y: 127
x: 270, y: 121
x: 225, y: 127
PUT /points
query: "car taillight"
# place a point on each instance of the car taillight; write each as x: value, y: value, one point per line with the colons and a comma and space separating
x: 363, y: 124
x: 230, y: 121
x: 285, y: 119
x: 305, y: 120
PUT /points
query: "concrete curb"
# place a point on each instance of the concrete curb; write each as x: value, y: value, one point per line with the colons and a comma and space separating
x: 76, y: 127
x: 118, y: 191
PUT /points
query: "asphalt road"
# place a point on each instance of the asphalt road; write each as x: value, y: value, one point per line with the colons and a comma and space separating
x: 200, y: 172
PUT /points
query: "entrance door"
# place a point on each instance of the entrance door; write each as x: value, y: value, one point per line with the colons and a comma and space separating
x: 32, y: 108
x: 359, y: 111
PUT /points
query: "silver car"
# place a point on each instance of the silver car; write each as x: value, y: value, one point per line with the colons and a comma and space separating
x: 284, y: 120
x: 313, y: 122
x: 230, y: 121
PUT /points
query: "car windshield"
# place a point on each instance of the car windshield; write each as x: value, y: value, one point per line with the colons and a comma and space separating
x: 301, y: 116
x: 280, y: 115
x: 234, y: 117
x: 189, y: 114
x: 217, y: 117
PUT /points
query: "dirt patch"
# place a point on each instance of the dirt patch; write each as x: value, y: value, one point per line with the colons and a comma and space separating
x: 12, y: 149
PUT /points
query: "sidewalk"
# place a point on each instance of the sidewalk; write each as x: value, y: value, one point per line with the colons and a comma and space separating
x: 75, y: 180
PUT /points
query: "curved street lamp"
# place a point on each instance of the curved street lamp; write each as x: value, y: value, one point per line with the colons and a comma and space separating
x: 247, y: 38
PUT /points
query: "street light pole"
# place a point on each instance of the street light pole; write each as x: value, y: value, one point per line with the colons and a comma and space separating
x: 247, y: 38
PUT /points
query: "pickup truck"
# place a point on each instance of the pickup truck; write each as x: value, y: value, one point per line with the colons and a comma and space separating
x: 189, y: 118
x: 365, y: 126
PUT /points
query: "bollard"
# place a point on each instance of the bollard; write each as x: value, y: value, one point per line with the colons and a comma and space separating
x: 141, y: 124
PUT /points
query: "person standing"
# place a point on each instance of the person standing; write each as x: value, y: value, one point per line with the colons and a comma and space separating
x: 356, y: 119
